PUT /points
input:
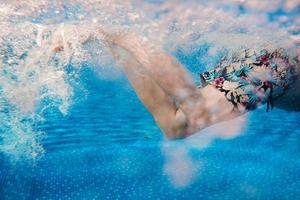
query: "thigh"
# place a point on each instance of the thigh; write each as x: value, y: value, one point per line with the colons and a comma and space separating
x: 159, y: 103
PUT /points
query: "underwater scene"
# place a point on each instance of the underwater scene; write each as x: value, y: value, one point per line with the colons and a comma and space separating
x: 72, y: 126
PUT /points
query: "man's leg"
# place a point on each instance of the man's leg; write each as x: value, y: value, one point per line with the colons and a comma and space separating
x: 165, y: 70
x: 170, y: 76
x: 168, y: 116
x: 173, y: 88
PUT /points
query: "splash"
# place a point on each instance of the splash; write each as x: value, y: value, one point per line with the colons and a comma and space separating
x: 180, y: 166
x: 44, y: 44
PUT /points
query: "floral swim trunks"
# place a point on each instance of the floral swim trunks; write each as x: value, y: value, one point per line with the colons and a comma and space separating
x: 252, y: 79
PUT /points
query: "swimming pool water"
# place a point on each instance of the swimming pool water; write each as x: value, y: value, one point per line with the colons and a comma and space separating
x: 108, y: 147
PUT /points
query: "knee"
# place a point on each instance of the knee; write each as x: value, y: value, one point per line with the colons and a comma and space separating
x: 177, y: 129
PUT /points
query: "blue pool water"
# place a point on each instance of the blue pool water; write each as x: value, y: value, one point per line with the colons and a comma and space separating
x: 108, y: 147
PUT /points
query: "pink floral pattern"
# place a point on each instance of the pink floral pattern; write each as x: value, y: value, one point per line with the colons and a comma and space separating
x: 254, y: 78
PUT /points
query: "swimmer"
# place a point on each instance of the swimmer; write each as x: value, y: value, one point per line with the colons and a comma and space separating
x: 235, y: 86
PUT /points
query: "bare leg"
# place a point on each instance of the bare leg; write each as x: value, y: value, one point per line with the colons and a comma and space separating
x: 162, y: 106
x: 165, y: 84
x: 165, y: 87
x: 164, y: 69
x: 167, y: 72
